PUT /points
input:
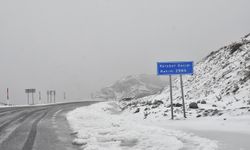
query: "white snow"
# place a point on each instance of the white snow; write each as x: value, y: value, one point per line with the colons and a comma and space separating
x: 232, y: 124
x: 103, y: 126
x: 220, y: 86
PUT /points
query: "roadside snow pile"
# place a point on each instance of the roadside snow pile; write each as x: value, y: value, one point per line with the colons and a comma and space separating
x: 103, y: 126
x: 220, y: 84
x: 132, y: 87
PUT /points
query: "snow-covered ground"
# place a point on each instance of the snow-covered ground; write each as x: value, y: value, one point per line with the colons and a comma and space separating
x: 217, y: 101
x: 104, y: 126
x: 220, y: 86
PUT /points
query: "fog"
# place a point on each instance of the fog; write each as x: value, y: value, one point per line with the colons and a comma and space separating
x: 79, y: 46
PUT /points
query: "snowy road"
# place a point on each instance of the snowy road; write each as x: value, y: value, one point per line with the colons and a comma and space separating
x: 36, y: 128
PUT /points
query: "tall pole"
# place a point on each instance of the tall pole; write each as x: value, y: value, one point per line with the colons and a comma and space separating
x: 182, y: 95
x: 171, y: 97
x: 8, y: 97
x: 64, y: 95
x: 40, y: 98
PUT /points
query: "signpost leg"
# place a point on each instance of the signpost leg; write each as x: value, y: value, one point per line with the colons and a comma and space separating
x: 182, y: 95
x: 47, y: 97
x: 171, y: 97
x: 40, y: 98
x: 33, y: 99
x: 28, y: 101
x: 54, y: 96
x: 50, y: 97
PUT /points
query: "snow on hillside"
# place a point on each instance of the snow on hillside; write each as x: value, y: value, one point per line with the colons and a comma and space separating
x: 220, y: 84
x: 132, y: 87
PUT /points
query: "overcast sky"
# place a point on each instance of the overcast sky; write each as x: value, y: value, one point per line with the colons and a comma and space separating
x: 79, y: 46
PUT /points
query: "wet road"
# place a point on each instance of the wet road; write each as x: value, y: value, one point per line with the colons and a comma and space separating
x: 37, y: 128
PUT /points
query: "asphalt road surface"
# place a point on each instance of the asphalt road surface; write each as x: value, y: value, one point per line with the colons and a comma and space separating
x: 37, y: 127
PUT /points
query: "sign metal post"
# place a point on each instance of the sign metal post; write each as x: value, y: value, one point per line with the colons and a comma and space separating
x: 28, y: 97
x: 171, y: 97
x: 64, y: 95
x: 47, y: 96
x: 51, y: 96
x: 33, y: 101
x: 32, y: 91
x: 40, y: 98
x: 182, y: 95
x: 175, y: 68
x: 8, y: 97
x: 54, y: 96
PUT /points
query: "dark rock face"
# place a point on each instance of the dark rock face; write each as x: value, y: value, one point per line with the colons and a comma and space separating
x: 234, y: 47
x: 193, y: 105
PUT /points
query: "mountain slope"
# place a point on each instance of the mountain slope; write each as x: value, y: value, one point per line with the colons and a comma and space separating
x: 132, y: 87
x: 221, y: 82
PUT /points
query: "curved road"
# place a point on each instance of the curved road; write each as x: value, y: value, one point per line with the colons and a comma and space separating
x: 37, y: 127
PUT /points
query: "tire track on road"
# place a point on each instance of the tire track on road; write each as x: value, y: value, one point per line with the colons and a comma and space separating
x: 28, y: 145
x: 5, y: 113
x: 3, y: 110
x: 17, y: 119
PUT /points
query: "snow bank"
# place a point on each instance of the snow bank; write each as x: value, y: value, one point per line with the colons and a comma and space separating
x: 103, y: 126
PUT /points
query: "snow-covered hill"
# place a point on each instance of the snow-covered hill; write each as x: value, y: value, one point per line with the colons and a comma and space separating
x: 136, y: 86
x: 220, y: 85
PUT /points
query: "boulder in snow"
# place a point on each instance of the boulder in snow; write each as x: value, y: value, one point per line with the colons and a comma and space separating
x: 193, y: 105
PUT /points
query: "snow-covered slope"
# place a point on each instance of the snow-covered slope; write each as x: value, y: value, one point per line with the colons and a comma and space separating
x: 132, y: 87
x: 220, y: 84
